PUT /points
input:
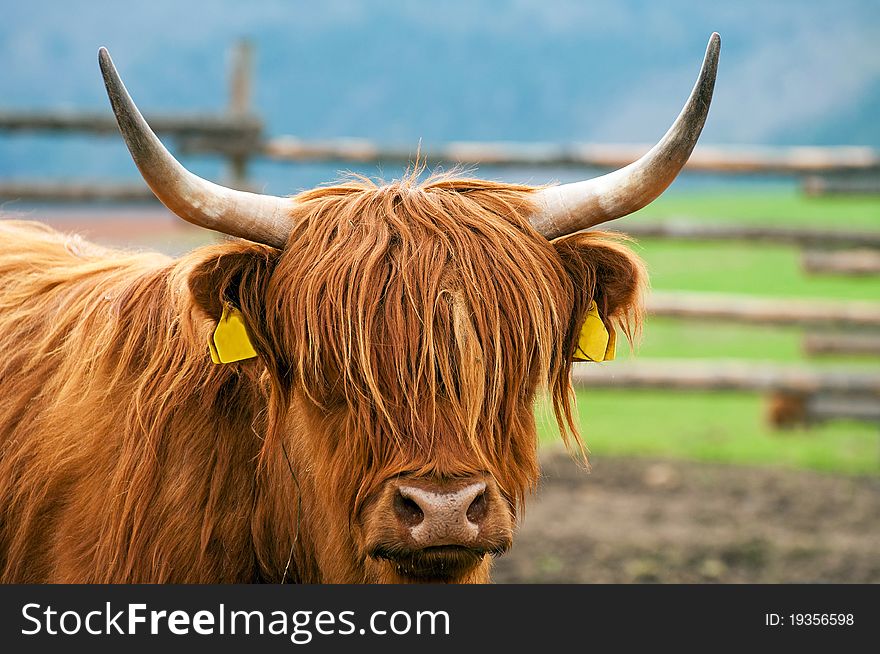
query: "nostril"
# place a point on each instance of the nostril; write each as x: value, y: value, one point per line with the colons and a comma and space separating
x: 408, y: 512
x: 478, y: 509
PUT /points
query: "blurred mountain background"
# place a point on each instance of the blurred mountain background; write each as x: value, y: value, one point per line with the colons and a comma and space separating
x: 399, y: 72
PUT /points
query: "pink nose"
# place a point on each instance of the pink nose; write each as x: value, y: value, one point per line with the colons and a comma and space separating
x: 442, y: 514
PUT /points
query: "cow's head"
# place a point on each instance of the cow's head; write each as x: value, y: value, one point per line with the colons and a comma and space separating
x: 405, y: 330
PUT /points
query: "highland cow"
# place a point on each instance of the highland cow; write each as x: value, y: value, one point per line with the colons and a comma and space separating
x: 380, y: 430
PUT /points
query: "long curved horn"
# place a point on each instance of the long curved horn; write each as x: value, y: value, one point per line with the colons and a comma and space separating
x: 569, y: 208
x: 259, y: 218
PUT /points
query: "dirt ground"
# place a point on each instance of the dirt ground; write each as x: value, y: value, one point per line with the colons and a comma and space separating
x: 641, y: 520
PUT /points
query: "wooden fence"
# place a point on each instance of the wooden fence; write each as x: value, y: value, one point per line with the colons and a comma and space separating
x: 693, y: 230
x: 238, y: 134
x: 765, y: 311
x: 238, y: 129
x: 795, y: 395
x: 707, y: 159
x: 846, y: 343
x: 854, y: 262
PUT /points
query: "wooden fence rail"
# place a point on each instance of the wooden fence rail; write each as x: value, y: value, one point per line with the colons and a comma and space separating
x: 854, y: 262
x: 725, y: 375
x: 65, y: 192
x: 223, y: 126
x: 800, y: 160
x: 795, y: 396
x: 765, y: 311
x: 821, y: 408
x: 213, y: 133
x: 834, y: 184
x: 851, y: 344
x: 695, y: 230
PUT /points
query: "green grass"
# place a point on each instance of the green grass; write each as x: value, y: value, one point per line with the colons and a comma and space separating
x: 725, y: 427
x: 730, y: 427
x: 767, y: 207
x: 665, y: 338
x: 764, y: 270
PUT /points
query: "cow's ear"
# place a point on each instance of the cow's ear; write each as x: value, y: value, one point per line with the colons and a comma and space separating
x: 603, y: 268
x: 233, y: 274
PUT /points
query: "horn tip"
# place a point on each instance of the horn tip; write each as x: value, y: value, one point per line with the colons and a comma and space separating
x: 104, y: 60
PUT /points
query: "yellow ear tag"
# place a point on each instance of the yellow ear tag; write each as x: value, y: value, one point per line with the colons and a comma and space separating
x: 230, y: 341
x: 596, y: 342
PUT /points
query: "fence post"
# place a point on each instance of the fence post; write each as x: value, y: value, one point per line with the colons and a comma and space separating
x: 240, y: 87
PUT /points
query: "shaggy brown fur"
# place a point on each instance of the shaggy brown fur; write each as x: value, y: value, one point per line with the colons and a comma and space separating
x: 405, y: 329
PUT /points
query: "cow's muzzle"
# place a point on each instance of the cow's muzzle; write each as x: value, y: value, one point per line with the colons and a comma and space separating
x: 439, y: 529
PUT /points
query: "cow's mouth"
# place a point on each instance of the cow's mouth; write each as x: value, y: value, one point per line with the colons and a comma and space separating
x: 444, y: 563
